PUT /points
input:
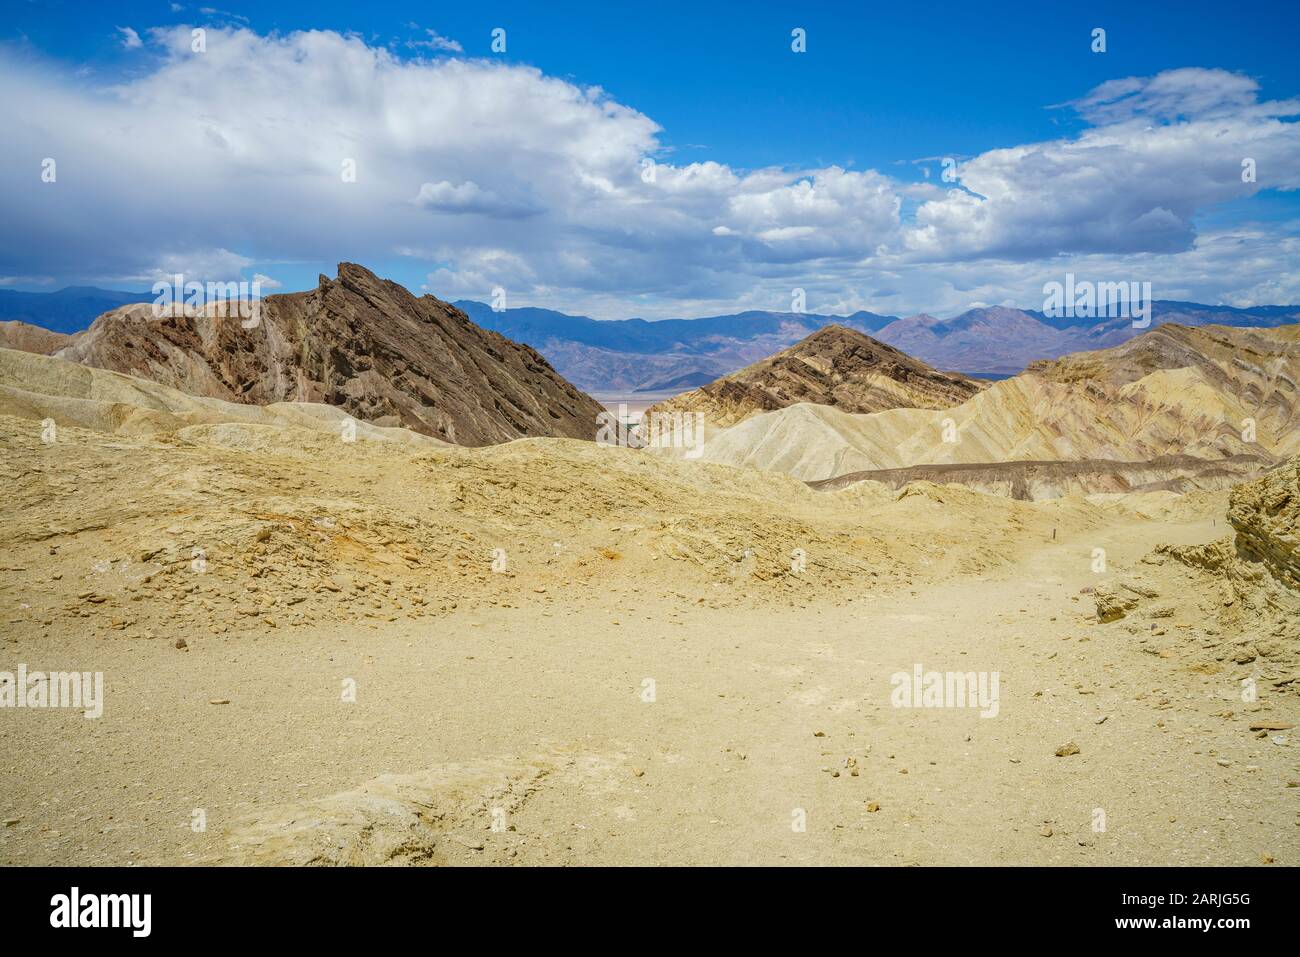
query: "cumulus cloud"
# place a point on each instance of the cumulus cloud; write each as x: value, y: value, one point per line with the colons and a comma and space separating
x: 318, y: 147
x: 130, y: 39
x: 1167, y: 147
x: 467, y: 197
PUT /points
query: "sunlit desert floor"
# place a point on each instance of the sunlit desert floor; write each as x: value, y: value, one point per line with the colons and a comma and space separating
x: 511, y: 735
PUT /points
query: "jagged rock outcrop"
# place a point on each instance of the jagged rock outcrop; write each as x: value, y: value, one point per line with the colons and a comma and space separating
x: 1117, y: 598
x: 834, y: 366
x: 1266, y: 517
x: 358, y: 342
x: 1253, y: 587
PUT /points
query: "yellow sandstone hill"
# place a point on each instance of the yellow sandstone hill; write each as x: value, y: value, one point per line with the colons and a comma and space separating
x: 1210, y: 392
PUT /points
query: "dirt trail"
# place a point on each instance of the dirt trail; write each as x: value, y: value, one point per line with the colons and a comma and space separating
x: 538, y: 722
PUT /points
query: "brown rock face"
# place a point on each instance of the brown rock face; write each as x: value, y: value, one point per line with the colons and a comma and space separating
x: 834, y: 366
x: 24, y: 337
x: 358, y: 342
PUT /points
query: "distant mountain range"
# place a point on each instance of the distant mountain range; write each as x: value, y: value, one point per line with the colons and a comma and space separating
x: 68, y: 310
x: 674, y: 355
x: 678, y: 354
x: 671, y: 354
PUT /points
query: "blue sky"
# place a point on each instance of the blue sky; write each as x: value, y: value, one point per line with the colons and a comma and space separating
x: 775, y: 169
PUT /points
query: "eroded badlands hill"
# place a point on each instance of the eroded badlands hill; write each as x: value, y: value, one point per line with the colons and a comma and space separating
x: 835, y: 366
x: 15, y: 334
x: 295, y: 524
x: 1212, y: 392
x: 357, y: 342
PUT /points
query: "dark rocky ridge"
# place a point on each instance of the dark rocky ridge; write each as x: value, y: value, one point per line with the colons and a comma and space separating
x: 834, y: 366
x: 358, y: 342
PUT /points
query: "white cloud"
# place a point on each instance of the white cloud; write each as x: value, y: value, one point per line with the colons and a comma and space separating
x: 437, y: 42
x: 467, y: 197
x: 130, y: 39
x: 496, y: 174
x: 1171, y: 146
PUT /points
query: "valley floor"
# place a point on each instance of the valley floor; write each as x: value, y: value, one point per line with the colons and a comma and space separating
x: 501, y: 735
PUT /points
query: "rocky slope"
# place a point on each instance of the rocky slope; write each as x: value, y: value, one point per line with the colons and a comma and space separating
x: 357, y: 342
x: 44, y: 388
x: 1266, y: 518
x: 834, y: 366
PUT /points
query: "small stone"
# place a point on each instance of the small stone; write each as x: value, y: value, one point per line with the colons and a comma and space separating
x: 218, y: 701
x: 1065, y: 750
x: 181, y: 644
x: 1046, y: 831
x: 873, y: 807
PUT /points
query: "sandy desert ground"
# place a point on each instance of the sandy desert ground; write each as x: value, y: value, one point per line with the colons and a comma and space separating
x: 506, y: 614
